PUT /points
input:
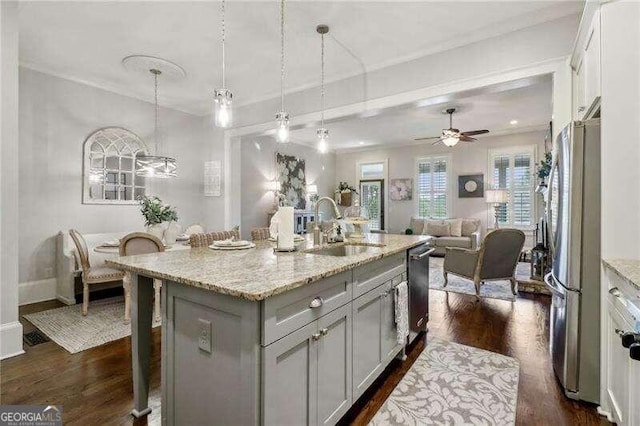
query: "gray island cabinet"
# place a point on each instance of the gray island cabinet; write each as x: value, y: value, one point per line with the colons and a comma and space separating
x: 270, y: 349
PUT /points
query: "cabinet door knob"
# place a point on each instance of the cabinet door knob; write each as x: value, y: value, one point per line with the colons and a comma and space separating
x: 316, y: 303
x: 315, y: 336
x: 324, y: 331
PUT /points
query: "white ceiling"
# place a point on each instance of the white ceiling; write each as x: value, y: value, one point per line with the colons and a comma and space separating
x: 86, y: 41
x: 529, y: 103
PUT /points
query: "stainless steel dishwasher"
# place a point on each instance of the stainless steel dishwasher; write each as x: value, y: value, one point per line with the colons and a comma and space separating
x: 418, y: 281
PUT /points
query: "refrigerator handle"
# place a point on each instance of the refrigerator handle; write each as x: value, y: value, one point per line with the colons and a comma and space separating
x: 551, y: 236
x: 551, y: 285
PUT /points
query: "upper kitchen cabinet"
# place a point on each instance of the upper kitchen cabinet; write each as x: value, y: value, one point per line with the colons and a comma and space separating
x: 585, y: 63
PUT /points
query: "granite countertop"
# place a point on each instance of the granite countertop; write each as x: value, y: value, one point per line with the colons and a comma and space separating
x: 627, y: 269
x: 258, y: 273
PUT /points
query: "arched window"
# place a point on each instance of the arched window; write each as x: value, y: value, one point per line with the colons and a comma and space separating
x: 110, y: 165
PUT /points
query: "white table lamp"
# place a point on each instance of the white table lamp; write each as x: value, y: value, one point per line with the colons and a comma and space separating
x: 496, y: 197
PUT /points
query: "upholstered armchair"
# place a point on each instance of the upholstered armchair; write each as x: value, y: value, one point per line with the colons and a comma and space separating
x: 91, y: 275
x: 496, y: 259
x: 140, y: 243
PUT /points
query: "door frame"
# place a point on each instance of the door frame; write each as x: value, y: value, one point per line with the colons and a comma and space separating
x: 385, y: 178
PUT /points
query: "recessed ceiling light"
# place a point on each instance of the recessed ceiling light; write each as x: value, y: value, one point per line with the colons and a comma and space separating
x: 513, y: 122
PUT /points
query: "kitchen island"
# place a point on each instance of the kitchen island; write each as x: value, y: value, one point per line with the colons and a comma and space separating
x: 256, y: 337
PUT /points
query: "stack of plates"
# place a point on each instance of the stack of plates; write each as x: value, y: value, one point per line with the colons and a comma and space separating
x: 110, y: 243
x: 182, y: 237
x: 231, y: 245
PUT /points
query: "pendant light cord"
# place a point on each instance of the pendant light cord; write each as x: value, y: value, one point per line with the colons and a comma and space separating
x: 281, y: 55
x: 322, y: 81
x: 155, y: 99
x: 224, y: 79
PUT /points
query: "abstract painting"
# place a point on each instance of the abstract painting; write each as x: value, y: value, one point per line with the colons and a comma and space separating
x: 293, y: 182
x: 401, y: 189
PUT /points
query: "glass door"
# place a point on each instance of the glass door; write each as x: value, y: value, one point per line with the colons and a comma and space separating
x: 372, y: 197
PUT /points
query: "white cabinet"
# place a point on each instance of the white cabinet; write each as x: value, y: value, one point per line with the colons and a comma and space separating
x: 586, y: 67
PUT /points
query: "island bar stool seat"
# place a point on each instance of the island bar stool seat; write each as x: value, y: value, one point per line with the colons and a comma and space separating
x: 91, y: 275
x: 140, y: 243
x: 259, y: 234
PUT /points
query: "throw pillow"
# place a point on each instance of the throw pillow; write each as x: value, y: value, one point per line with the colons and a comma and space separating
x: 417, y: 225
x: 456, y: 227
x: 469, y: 226
x: 437, y: 228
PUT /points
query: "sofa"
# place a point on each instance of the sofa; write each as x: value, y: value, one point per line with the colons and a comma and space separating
x: 462, y: 233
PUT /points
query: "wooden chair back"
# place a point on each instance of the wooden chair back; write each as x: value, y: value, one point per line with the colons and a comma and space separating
x: 81, y: 250
x: 259, y: 234
x: 140, y: 243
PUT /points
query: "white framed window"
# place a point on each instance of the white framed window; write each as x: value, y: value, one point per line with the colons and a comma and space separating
x: 370, y: 181
x: 433, y: 184
x: 512, y: 169
x: 110, y: 167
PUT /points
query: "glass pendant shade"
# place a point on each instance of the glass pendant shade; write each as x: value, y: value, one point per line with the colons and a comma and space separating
x: 450, y: 141
x: 156, y: 166
x: 323, y: 135
x: 223, y: 112
x: 282, y: 131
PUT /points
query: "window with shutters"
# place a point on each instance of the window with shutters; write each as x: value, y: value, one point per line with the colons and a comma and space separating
x: 512, y: 169
x: 432, y: 187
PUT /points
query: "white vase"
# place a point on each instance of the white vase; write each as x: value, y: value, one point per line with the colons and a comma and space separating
x: 157, y: 230
x: 171, y: 233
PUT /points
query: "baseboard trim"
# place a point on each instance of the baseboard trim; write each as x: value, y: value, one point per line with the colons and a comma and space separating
x: 36, y: 291
x: 66, y: 300
x: 11, y: 338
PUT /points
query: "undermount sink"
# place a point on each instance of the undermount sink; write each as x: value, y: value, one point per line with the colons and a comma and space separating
x: 345, y: 250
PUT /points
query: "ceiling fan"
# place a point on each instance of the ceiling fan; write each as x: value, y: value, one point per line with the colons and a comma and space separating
x: 451, y: 136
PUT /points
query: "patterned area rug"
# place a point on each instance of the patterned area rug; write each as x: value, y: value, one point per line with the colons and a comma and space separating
x: 76, y: 333
x: 452, y: 384
x: 491, y: 289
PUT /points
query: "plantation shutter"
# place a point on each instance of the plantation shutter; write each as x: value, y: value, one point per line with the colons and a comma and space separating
x: 513, y: 172
x: 432, y: 187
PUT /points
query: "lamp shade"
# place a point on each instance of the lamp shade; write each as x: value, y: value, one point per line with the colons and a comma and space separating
x: 496, y: 196
x: 273, y: 185
x: 312, y: 189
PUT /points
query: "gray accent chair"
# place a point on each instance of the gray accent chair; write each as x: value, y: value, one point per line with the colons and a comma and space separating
x: 496, y: 259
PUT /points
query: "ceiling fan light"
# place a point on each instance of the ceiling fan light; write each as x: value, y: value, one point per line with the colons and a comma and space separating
x: 282, y: 130
x: 450, y: 141
x: 223, y: 112
x: 323, y: 135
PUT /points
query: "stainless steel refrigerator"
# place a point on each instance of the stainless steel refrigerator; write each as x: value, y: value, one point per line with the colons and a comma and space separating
x: 573, y: 214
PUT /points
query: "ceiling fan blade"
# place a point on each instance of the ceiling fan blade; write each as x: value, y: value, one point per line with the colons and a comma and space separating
x: 426, y: 139
x: 465, y: 138
x: 474, y: 132
x: 437, y: 142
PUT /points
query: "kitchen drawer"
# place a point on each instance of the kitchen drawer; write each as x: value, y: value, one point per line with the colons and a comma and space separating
x: 287, y: 312
x: 369, y: 276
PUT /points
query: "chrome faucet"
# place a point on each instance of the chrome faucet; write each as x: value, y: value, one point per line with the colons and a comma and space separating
x: 317, y: 240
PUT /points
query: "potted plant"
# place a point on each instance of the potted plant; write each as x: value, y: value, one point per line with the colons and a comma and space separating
x: 160, y: 219
x: 343, y: 194
x: 543, y: 170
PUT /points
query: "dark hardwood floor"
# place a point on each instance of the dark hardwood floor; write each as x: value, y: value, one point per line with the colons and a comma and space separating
x: 94, y: 386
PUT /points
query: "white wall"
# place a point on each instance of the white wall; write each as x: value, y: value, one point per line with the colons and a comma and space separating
x: 56, y: 116
x: 258, y: 158
x: 466, y: 159
x: 10, y: 328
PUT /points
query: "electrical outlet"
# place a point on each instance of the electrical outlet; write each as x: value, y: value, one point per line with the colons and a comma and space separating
x: 204, y: 335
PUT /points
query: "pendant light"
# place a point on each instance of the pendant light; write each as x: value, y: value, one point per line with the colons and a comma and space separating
x: 282, y: 118
x: 223, y: 97
x: 156, y: 165
x: 322, y: 133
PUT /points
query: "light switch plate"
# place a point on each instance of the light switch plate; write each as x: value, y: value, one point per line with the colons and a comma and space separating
x: 204, y: 335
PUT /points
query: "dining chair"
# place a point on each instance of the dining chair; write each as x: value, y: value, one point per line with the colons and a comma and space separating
x: 95, y: 275
x: 496, y: 259
x: 195, y: 228
x: 259, y: 234
x: 140, y: 243
x: 205, y: 240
